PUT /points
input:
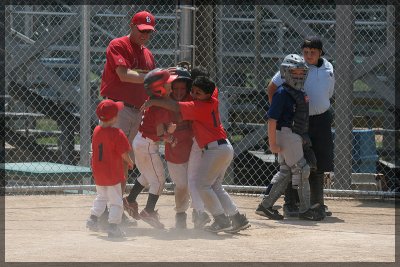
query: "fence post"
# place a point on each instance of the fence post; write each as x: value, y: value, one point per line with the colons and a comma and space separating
x: 186, y: 34
x: 259, y: 81
x: 396, y: 24
x: 343, y: 95
x: 389, y: 144
x: 85, y: 107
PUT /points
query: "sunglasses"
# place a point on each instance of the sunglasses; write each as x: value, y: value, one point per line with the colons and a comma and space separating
x: 145, y: 31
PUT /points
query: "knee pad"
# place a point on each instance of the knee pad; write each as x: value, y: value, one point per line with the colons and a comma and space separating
x: 279, y: 184
x: 300, y: 173
x: 284, y: 172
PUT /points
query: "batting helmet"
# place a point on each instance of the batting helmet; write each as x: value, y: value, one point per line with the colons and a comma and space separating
x: 154, y: 82
x: 290, y: 62
x: 183, y: 74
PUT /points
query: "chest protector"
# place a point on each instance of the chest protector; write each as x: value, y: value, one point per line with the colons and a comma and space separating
x: 300, y: 119
x: 300, y: 124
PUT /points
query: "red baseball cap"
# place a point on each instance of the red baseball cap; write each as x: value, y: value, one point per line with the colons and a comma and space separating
x: 144, y: 21
x: 108, y: 109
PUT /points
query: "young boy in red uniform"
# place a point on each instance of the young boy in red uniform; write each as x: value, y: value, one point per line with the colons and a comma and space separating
x: 110, y: 150
x: 177, y: 156
x: 146, y: 146
x: 217, y: 154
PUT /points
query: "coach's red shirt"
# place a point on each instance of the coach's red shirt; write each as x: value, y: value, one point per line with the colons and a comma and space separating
x: 108, y: 144
x: 152, y: 117
x: 122, y: 52
x: 206, y: 123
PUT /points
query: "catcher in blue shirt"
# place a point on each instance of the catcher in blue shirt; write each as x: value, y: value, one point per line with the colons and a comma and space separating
x: 287, y: 134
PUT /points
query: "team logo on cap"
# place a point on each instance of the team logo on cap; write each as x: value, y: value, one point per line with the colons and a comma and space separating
x: 148, y: 19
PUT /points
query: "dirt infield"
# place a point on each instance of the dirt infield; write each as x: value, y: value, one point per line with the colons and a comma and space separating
x: 52, y: 229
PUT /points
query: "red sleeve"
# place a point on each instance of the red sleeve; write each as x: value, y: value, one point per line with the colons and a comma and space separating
x: 115, y: 53
x: 188, y: 110
x: 121, y: 143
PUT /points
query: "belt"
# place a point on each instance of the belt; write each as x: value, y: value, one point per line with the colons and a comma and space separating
x: 280, y: 127
x: 320, y: 115
x: 215, y: 143
x: 125, y: 104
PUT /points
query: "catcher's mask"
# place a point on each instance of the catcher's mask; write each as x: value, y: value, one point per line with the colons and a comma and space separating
x: 291, y: 62
x: 154, y: 82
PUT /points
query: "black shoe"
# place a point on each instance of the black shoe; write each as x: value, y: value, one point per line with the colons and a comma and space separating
x: 327, y: 211
x: 268, y: 212
x: 92, y: 224
x: 320, y: 209
x: 216, y: 227
x: 312, y: 214
x: 200, y: 219
x: 114, y: 231
x: 103, y: 221
x: 180, y: 220
x: 221, y: 223
x: 290, y: 210
x: 239, y: 222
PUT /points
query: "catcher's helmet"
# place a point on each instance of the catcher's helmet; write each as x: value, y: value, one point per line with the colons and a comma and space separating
x: 154, y: 82
x: 290, y: 62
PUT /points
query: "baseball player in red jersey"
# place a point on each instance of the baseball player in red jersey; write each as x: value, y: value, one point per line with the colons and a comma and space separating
x: 217, y: 154
x: 110, y: 149
x: 177, y: 157
x: 152, y: 130
x: 199, y: 216
x: 127, y: 62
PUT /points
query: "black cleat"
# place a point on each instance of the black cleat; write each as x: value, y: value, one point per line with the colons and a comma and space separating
x: 290, y: 210
x: 239, y: 222
x: 312, y: 214
x: 114, y: 231
x: 268, y: 212
x: 180, y: 220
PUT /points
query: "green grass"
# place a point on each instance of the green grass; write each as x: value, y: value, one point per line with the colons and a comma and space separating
x: 49, y: 125
x: 236, y: 138
x: 360, y: 86
x: 46, y: 125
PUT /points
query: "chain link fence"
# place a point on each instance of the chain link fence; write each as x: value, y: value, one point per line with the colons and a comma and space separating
x: 55, y: 56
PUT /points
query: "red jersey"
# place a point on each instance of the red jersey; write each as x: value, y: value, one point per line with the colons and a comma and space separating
x: 184, y: 134
x: 108, y: 144
x: 206, y: 123
x: 122, y: 52
x: 152, y: 117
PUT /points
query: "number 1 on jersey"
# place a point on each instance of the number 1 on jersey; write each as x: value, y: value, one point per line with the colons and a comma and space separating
x: 100, y: 151
x: 216, y: 122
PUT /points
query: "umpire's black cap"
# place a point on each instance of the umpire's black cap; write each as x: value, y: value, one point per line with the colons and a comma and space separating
x: 313, y: 42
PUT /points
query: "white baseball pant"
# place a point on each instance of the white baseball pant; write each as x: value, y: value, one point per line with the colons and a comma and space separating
x: 193, y: 175
x: 213, y: 165
x: 149, y: 163
x: 179, y: 175
x: 113, y: 195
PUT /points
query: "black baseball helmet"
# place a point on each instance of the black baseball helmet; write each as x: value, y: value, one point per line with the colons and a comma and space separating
x: 184, y: 74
